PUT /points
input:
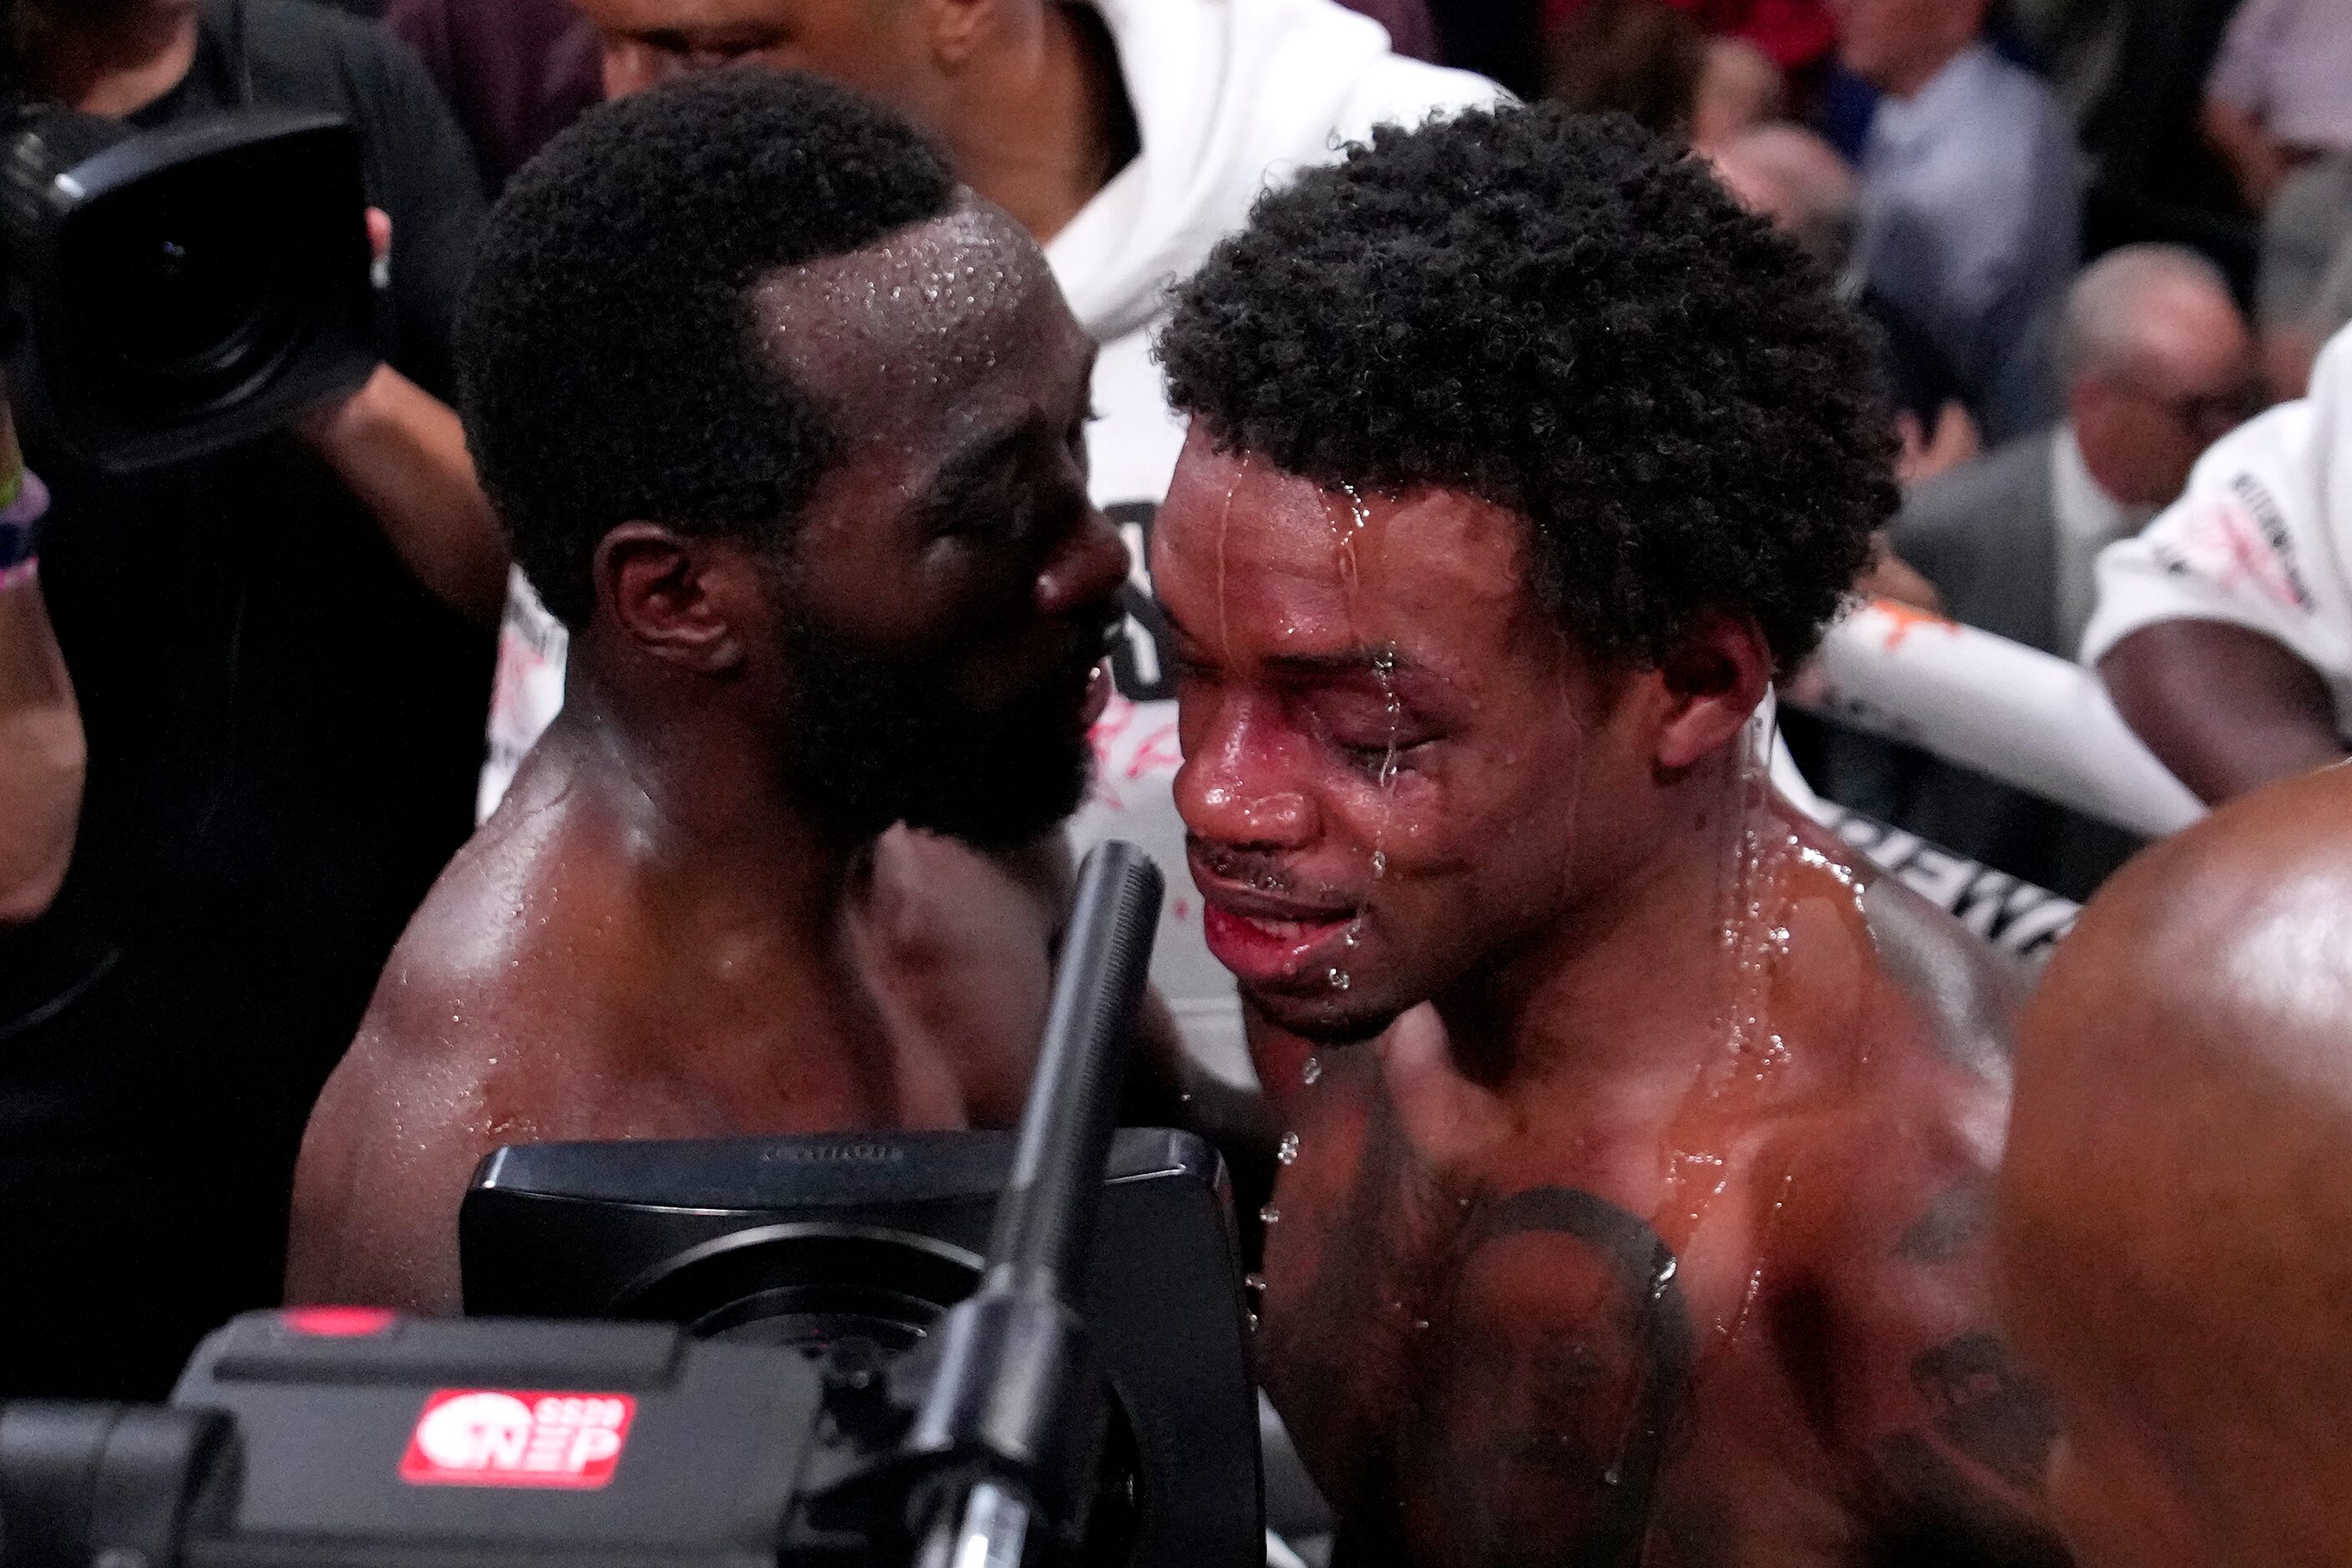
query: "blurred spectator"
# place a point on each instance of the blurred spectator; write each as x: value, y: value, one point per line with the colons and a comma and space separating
x: 2159, y: 364
x: 2171, y: 1210
x: 2132, y: 75
x: 1499, y: 40
x: 2225, y: 631
x: 1640, y: 57
x: 1411, y: 32
x: 2281, y: 93
x: 2306, y: 261
x: 517, y: 71
x: 1740, y: 90
x: 2328, y: 313
x: 1970, y: 200
x: 1797, y: 179
x: 1791, y: 34
x: 281, y: 724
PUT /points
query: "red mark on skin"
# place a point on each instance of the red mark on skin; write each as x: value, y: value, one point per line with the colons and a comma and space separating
x: 1909, y: 618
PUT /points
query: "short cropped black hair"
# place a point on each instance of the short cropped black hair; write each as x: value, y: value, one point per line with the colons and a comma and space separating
x: 608, y: 361
x: 1565, y: 316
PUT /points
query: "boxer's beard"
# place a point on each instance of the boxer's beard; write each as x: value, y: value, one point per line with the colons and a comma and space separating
x: 875, y: 742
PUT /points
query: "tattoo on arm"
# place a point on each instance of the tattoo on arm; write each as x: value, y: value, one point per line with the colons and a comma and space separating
x: 1961, y: 1481
x: 1988, y: 1408
x: 1953, y: 1223
x: 1984, y: 1411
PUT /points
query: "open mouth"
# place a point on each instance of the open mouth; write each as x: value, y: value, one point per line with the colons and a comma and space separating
x: 1266, y: 943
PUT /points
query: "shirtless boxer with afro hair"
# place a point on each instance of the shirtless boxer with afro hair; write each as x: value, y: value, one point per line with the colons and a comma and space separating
x: 1640, y: 1134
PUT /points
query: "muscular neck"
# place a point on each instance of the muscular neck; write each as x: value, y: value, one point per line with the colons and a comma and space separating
x: 117, y: 70
x: 1629, y: 987
x: 708, y: 826
x: 1070, y: 128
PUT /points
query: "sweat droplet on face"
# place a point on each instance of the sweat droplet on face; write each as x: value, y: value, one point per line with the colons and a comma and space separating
x: 1269, y: 1215
x: 1288, y: 1151
x: 1311, y: 1071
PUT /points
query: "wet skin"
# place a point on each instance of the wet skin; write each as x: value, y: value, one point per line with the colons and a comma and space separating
x: 655, y: 936
x: 2179, y: 1186
x: 1636, y: 1245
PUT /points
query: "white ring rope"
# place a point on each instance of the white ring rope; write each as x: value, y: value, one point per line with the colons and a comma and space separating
x: 2007, y: 711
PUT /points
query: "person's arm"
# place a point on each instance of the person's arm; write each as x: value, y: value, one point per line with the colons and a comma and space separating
x: 1950, y: 1435
x: 43, y: 755
x: 398, y: 445
x: 403, y: 452
x: 2226, y: 709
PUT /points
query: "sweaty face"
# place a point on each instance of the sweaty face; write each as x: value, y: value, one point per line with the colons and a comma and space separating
x: 943, y: 609
x: 1385, y: 736
x: 875, y: 45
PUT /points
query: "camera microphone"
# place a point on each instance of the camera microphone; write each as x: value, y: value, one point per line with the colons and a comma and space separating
x: 1018, y: 1393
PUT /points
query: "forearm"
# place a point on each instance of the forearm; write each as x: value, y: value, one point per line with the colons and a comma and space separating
x: 2227, y: 710
x: 42, y: 757
x: 403, y: 452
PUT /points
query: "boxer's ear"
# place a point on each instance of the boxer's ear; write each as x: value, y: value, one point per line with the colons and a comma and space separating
x: 1714, y: 677
x: 678, y: 599
x: 958, y: 28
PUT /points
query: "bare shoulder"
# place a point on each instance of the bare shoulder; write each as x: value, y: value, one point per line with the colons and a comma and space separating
x: 1968, y: 994
x: 473, y: 1038
x: 1945, y: 1435
x: 2263, y: 884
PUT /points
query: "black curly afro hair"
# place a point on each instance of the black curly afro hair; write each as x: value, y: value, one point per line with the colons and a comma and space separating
x: 608, y: 363
x: 1565, y: 316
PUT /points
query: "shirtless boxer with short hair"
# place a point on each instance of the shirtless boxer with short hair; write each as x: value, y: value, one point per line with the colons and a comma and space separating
x: 2178, y: 1188
x: 789, y: 430
x: 1521, y: 460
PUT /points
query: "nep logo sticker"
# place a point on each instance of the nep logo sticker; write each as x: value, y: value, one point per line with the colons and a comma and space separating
x: 494, y: 1438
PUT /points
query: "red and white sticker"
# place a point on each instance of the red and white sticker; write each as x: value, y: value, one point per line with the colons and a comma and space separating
x: 498, y: 1437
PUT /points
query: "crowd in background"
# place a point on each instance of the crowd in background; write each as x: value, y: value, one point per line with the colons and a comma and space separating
x: 2096, y: 235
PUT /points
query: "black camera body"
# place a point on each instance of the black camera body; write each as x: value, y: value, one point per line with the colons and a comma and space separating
x: 187, y: 288
x: 343, y: 1439
x: 819, y: 1243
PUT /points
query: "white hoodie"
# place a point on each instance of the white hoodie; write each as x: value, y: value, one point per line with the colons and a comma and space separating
x: 1229, y: 97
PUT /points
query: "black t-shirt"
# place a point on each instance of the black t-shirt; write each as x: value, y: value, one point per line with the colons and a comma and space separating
x: 284, y: 734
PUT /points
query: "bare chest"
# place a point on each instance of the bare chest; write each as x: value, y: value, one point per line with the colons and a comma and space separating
x: 1562, y: 1361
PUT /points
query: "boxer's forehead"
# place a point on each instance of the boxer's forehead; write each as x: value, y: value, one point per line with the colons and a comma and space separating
x: 1264, y: 556
x: 920, y: 320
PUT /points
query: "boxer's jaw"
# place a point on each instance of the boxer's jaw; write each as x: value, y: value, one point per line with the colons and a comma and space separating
x: 1386, y: 738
